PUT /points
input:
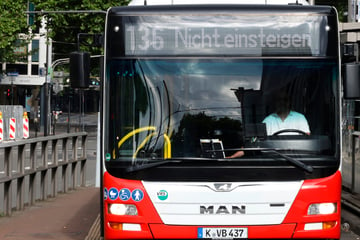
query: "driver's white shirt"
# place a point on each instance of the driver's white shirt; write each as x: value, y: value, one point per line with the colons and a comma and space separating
x: 294, y: 120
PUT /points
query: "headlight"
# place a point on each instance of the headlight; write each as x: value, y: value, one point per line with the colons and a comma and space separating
x: 322, y: 208
x: 122, y: 209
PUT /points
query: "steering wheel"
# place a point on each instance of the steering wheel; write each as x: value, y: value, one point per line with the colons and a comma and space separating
x: 289, y: 131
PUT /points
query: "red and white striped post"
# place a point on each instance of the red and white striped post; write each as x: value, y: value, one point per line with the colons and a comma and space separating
x: 12, y: 128
x: 1, y: 127
x: 25, y: 125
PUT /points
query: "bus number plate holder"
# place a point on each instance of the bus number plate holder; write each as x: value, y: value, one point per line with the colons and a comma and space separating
x: 222, y: 233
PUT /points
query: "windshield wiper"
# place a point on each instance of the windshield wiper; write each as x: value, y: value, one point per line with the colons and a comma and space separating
x: 147, y: 165
x: 293, y: 161
x: 160, y: 162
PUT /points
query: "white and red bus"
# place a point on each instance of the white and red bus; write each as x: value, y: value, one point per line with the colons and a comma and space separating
x: 187, y: 86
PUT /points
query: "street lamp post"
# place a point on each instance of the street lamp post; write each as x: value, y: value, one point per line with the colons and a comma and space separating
x: 47, y: 86
x: 12, y: 89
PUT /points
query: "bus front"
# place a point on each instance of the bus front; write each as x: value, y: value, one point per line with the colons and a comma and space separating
x: 186, y: 147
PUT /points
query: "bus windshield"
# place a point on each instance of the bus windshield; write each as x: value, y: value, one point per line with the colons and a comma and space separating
x: 208, y: 109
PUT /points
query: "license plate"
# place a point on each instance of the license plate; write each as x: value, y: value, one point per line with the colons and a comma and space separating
x: 222, y: 233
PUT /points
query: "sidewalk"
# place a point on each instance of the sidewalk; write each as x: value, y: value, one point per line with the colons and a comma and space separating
x: 69, y: 216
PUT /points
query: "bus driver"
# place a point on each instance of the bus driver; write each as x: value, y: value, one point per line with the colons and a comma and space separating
x: 282, y: 119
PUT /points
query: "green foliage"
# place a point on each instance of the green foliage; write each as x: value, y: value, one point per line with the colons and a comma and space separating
x: 13, y: 22
x: 65, y: 27
x: 341, y: 7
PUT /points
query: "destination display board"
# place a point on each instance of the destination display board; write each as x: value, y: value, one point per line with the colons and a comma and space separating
x: 226, y: 35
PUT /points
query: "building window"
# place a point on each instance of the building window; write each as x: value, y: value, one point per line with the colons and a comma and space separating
x: 35, y: 51
x: 19, y: 68
x: 20, y: 50
x: 35, y: 69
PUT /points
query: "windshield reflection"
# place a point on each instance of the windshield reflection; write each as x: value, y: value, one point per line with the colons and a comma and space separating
x: 165, y: 108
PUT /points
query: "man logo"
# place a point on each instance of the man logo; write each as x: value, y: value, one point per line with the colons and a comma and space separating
x: 223, y: 209
x: 223, y: 187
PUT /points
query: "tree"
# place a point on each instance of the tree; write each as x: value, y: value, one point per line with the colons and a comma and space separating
x: 66, y: 27
x: 12, y: 23
x: 341, y: 7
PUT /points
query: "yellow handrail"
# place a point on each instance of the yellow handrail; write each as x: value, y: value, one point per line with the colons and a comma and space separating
x: 133, y: 132
x: 143, y: 143
x: 167, y: 144
x: 167, y: 147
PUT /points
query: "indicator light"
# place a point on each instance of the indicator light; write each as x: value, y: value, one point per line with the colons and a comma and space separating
x: 319, y: 225
x: 125, y: 226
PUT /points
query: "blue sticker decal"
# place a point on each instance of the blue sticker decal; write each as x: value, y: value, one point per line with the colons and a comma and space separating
x: 200, y: 232
x: 137, y: 195
x: 105, y: 193
x: 113, y: 193
x: 124, y: 194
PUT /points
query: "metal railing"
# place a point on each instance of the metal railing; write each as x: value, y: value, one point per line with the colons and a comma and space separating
x: 38, y: 168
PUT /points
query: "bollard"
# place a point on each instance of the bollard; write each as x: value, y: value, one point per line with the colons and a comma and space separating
x: 12, y: 128
x: 25, y: 125
x: 1, y: 127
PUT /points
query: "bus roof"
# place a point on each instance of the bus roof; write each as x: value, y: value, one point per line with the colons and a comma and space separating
x: 177, y: 2
x: 220, y: 9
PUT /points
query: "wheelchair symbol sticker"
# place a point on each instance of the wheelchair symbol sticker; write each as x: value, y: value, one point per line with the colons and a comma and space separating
x: 124, y: 194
